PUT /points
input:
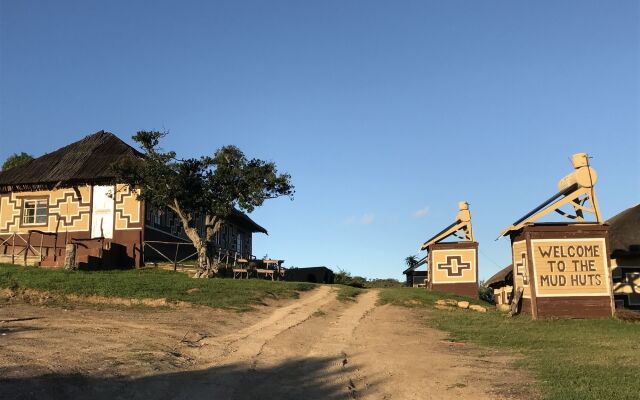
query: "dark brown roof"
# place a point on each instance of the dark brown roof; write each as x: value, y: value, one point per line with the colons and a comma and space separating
x: 624, y: 232
x: 88, y: 160
x: 503, y: 277
x: 241, y: 218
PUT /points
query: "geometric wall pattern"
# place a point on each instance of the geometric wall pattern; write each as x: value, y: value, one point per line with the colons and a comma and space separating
x: 68, y: 210
x: 453, y: 266
x: 128, y: 207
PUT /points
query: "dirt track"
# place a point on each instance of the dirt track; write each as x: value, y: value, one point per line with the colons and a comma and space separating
x: 312, y: 348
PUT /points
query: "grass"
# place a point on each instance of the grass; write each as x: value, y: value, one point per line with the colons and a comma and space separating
x: 151, y: 283
x: 348, y: 293
x: 571, y: 359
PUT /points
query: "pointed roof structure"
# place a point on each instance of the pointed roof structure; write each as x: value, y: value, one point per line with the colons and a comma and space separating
x: 87, y: 161
x: 624, y: 232
x: 501, y: 278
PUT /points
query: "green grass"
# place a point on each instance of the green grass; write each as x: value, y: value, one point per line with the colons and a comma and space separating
x: 151, y: 283
x: 348, y: 293
x: 571, y: 359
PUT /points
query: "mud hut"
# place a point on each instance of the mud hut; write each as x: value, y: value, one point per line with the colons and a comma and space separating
x: 502, y: 285
x: 624, y: 242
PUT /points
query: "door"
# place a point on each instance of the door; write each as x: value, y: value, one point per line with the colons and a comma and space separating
x: 102, y: 215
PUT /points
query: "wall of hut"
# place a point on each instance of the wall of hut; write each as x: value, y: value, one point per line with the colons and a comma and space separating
x: 453, y: 268
x: 563, y: 270
x: 626, y: 280
x: 105, y: 222
x: 232, y: 242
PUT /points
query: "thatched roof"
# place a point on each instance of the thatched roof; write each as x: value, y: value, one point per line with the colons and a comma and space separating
x: 241, y: 218
x: 503, y: 277
x: 624, y: 232
x: 86, y: 161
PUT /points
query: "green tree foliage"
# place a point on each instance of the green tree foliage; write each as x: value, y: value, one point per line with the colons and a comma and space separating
x: 15, y: 160
x: 383, y: 283
x: 343, y: 277
x: 210, y: 187
x: 485, y: 293
x: 411, y: 261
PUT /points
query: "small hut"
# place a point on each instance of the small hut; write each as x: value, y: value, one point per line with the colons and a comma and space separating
x: 624, y: 244
x: 320, y: 274
x: 502, y: 285
x: 416, y: 278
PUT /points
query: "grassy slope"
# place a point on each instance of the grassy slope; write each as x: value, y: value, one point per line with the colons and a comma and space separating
x: 572, y: 359
x: 348, y: 293
x: 150, y: 283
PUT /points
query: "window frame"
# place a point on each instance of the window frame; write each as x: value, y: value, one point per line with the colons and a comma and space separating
x: 240, y: 242
x: 36, y: 201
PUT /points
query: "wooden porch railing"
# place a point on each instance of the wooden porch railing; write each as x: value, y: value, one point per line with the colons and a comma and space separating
x: 224, y: 256
x: 26, y: 245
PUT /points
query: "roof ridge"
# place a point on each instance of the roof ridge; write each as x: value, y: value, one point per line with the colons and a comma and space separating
x: 86, y: 160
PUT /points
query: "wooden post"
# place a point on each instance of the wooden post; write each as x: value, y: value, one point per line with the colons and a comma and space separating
x: 70, y: 257
x: 13, y: 249
x: 26, y: 250
x: 175, y: 258
x: 515, y: 302
x: 55, y: 248
x: 41, y: 241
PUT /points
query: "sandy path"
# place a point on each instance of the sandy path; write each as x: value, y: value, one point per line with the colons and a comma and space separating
x: 399, y: 357
x: 312, y: 348
x: 246, y: 345
x: 310, y: 360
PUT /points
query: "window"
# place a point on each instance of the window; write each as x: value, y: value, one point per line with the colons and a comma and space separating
x: 35, y: 212
x: 239, y: 242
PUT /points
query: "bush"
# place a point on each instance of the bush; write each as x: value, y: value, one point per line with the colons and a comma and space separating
x: 343, y: 277
x: 485, y: 293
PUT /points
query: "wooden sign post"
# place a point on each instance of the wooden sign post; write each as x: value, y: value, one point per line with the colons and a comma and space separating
x: 564, y: 270
x: 453, y: 268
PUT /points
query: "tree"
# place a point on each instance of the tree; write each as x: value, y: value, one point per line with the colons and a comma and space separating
x: 411, y: 261
x: 16, y: 160
x: 343, y: 277
x: 208, y: 187
x: 485, y: 293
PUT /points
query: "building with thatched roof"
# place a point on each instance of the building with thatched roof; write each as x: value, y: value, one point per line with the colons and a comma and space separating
x: 502, y: 285
x: 624, y: 242
x: 71, y: 196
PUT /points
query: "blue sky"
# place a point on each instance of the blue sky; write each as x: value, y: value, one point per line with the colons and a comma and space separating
x: 386, y: 113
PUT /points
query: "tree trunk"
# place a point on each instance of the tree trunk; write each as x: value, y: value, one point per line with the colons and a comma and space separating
x: 203, y: 270
x: 206, y: 267
x: 204, y: 264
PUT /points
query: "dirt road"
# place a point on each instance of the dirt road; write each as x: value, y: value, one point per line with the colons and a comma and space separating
x: 312, y: 348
